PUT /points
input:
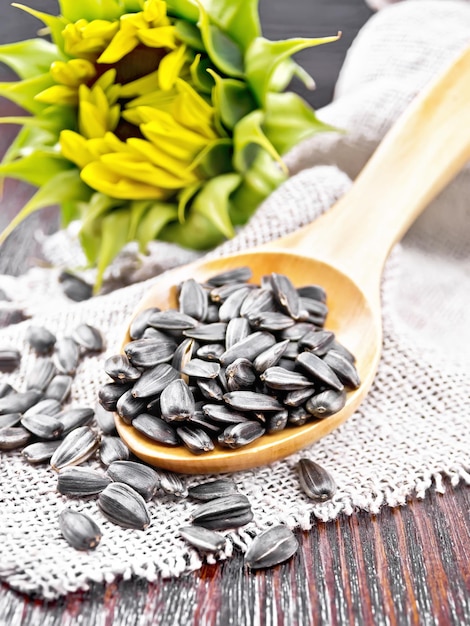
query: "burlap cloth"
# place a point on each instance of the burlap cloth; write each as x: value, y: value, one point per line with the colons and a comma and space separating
x: 412, y: 430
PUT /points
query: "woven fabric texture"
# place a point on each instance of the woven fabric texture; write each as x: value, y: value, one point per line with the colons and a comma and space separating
x: 411, y: 431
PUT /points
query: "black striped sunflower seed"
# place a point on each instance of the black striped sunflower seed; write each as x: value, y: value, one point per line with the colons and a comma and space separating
x: 40, y: 339
x: 59, y: 387
x: 124, y: 506
x: 119, y: 368
x: 203, y: 539
x: 74, y: 418
x: 213, y: 489
x: 193, y: 299
x: 195, y: 439
x: 142, y: 478
x: 113, y: 449
x: 343, y: 368
x: 316, y: 482
x: 140, y: 322
x: 153, y: 381
x: 239, y: 435
x: 177, y: 401
x: 286, y: 294
x: 326, y: 403
x: 88, y: 338
x: 41, y: 451
x: 19, y: 402
x: 278, y: 378
x: 320, y: 370
x: 43, y: 426
x: 76, y: 447
x: 10, y: 359
x: 79, y: 530
x: 66, y: 355
x: 156, y: 428
x: 13, y: 437
x: 272, y: 547
x: 229, y: 511
x: 81, y: 481
x: 41, y: 374
x: 149, y: 352
x: 251, y: 401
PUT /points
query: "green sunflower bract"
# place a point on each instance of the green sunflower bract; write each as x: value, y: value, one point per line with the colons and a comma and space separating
x: 153, y: 119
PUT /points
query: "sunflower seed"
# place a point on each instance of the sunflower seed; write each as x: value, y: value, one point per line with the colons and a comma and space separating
x: 231, y: 306
x: 223, y: 414
x: 105, y: 420
x: 292, y: 351
x: 271, y: 547
x: 336, y: 345
x: 249, y: 347
x: 319, y: 370
x: 124, y: 506
x: 156, y: 428
x: 48, y: 406
x: 10, y: 419
x: 40, y: 339
x: 317, y: 308
x: 140, y: 322
x: 256, y: 302
x: 213, y: 489
x: 75, y: 287
x: 271, y: 356
x: 183, y: 354
x: 10, y: 358
x: 237, y: 329
x: 88, y: 337
x: 239, y: 274
x: 193, y: 299
x: 81, y: 481
x: 210, y: 351
x: 172, y: 484
x: 79, y: 530
x: 59, y: 387
x: 298, y: 396
x: 278, y: 378
x: 343, y: 368
x: 298, y: 416
x: 41, y: 451
x: 41, y: 375
x: 326, y: 403
x: 177, y: 401
x: 6, y: 389
x: 201, y: 421
x: 316, y: 482
x: 203, y: 539
x: 172, y: 320
x: 113, y: 449
x: 156, y: 335
x: 297, y: 331
x: 272, y: 321
x: 238, y: 435
x: 120, y: 370
x: 317, y: 341
x: 149, y: 352
x: 110, y: 393
x: 210, y: 389
x: 240, y: 375
x: 315, y: 292
x: 201, y: 369
x: 19, y: 402
x: 74, y: 418
x: 286, y: 294
x: 13, y: 437
x: 141, y: 478
x: 229, y: 511
x: 66, y: 355
x: 251, y: 401
x: 212, y: 314
x: 153, y: 381
x: 76, y: 447
x: 208, y: 332
x: 43, y: 426
x: 128, y: 407
x: 195, y: 439
x: 276, y: 421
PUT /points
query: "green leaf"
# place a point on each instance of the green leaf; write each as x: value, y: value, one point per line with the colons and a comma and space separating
x: 114, y: 236
x: 184, y: 198
x: 55, y: 24
x: 36, y: 168
x: 64, y: 187
x: 91, y: 213
x: 22, y: 92
x: 29, y: 58
x: 197, y: 233
x: 137, y: 209
x: 263, y: 57
x: 90, y: 10
x: 189, y: 34
x: 157, y: 216
x: 213, y: 202
x: 202, y: 78
x: 239, y: 19
x: 247, y: 132
x: 69, y: 211
x: 215, y: 159
x: 185, y: 9
x: 232, y: 99
x: 285, y: 72
x: 288, y: 120
x: 223, y: 51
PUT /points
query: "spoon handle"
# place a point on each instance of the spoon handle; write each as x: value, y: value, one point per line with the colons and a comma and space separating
x: 419, y: 156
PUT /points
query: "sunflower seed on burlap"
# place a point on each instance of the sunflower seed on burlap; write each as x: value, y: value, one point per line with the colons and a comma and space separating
x: 213, y: 489
x: 198, y: 368
x: 195, y: 439
x: 249, y: 347
x: 156, y: 428
x: 239, y: 435
x: 81, y: 481
x: 149, y: 352
x: 172, y: 320
x: 230, y: 511
x: 193, y: 300
x: 66, y: 355
x: 119, y: 368
x: 59, y: 387
x: 252, y: 401
x: 326, y: 403
x: 343, y: 368
x: 208, y: 332
x: 316, y: 482
x: 19, y: 402
x: 177, y: 401
x: 124, y: 506
x: 41, y: 451
x: 10, y: 419
x: 75, y: 287
x: 110, y: 393
x: 276, y: 421
x: 239, y: 274
x: 317, y: 341
x: 88, y: 338
x: 41, y: 374
x: 271, y: 547
x: 317, y: 368
x: 105, y: 420
x: 278, y: 378
x: 154, y: 380
x: 286, y: 294
x: 76, y: 447
x: 172, y: 484
x: 13, y: 437
x: 140, y: 477
x: 203, y: 539
x: 10, y: 359
x: 210, y: 351
x: 140, y: 322
x: 79, y: 530
x: 128, y: 407
x: 231, y: 306
x: 296, y: 397
x: 40, y: 339
x: 43, y: 426
x: 224, y: 414
x: 113, y: 449
x: 240, y: 375
x: 75, y: 417
x: 47, y: 406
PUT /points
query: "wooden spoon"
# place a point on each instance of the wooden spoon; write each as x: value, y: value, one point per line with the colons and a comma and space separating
x: 344, y: 251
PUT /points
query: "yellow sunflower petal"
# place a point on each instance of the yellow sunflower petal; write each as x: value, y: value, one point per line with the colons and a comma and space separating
x: 138, y: 169
x: 160, y: 37
x: 58, y: 94
x: 72, y: 73
x: 75, y: 148
x: 100, y: 177
x: 170, y: 67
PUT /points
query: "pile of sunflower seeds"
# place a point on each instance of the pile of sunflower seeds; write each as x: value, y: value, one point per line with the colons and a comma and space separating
x: 235, y: 361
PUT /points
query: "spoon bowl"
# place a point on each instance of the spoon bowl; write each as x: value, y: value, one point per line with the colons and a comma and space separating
x: 344, y: 251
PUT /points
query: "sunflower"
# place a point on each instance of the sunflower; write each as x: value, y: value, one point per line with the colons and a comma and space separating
x: 153, y: 119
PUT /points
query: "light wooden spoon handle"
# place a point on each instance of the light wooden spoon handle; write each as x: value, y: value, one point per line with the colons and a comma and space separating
x: 425, y: 149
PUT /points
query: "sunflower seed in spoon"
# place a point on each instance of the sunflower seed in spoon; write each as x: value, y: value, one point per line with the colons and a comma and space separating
x: 120, y: 369
x: 237, y: 329
x: 343, y: 368
x: 239, y: 435
x: 149, y: 352
x: 271, y: 356
x: 172, y: 320
x: 239, y: 274
x: 81, y: 481
x: 320, y: 371
x: 110, y: 393
x: 317, y: 341
x: 315, y: 292
x: 326, y: 403
x: 276, y: 421
x: 140, y: 322
x: 251, y: 401
x: 240, y: 375
x: 231, y: 306
x: 177, y: 401
x: 203, y: 539
x: 210, y: 351
x: 278, y: 378
x: 223, y: 414
x: 272, y: 547
x: 156, y: 428
x: 297, y: 397
x: 128, y: 407
x: 201, y: 369
x: 249, y: 347
x: 286, y: 294
x: 79, y: 530
x: 195, y: 439
x: 154, y: 380
x: 193, y: 300
x: 210, y: 389
x: 142, y: 478
x: 316, y: 482
x: 208, y: 332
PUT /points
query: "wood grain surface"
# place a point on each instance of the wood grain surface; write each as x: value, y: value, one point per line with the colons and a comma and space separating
x: 406, y: 566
